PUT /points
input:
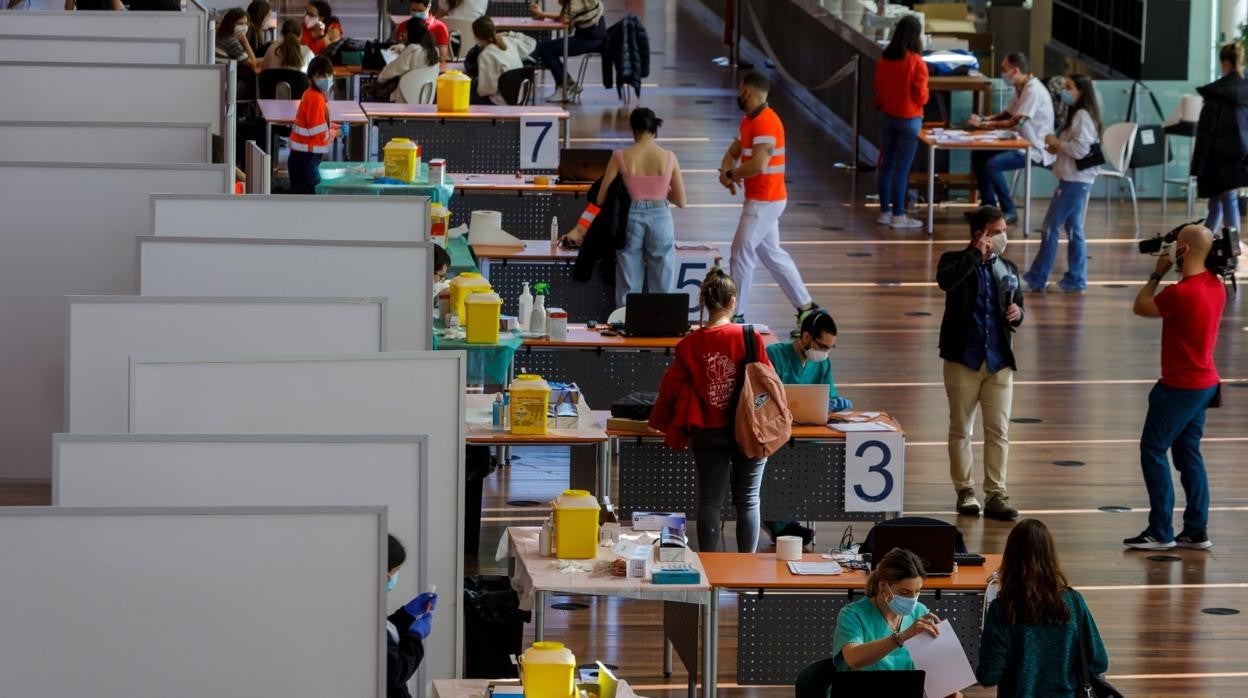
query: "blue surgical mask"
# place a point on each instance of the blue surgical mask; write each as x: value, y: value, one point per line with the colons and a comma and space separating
x: 901, y: 605
x: 392, y: 582
x: 324, y: 84
x: 421, y: 15
x: 1067, y: 98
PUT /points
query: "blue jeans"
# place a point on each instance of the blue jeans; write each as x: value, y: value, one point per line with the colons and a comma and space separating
x: 990, y: 168
x: 899, y: 138
x: 1223, y: 210
x: 549, y: 53
x: 1175, y: 423
x: 721, y: 466
x: 1066, y: 209
x: 650, y: 244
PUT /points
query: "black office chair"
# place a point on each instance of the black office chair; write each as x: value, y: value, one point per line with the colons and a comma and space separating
x: 271, y: 80
x: 516, y: 85
x: 814, y: 680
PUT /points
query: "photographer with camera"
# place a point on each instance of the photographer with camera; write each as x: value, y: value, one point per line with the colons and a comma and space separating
x: 1190, y: 313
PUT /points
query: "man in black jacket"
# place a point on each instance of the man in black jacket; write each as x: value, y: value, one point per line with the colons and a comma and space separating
x: 983, y: 305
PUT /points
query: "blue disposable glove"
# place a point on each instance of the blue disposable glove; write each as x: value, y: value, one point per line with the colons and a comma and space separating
x: 422, y: 605
x: 839, y: 404
x: 422, y: 626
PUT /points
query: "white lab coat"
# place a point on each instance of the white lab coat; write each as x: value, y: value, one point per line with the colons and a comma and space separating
x: 494, y: 61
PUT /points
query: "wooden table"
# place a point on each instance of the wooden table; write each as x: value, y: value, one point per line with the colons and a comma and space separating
x: 527, y: 208
x: 958, y: 598
x: 534, y: 579
x: 485, y: 138
x: 929, y: 138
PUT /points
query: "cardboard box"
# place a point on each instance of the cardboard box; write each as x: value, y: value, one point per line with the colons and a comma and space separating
x: 637, y: 562
x: 635, y: 426
x: 657, y: 520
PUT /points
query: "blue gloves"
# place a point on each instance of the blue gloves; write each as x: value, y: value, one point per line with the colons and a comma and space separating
x: 421, y: 608
x: 839, y: 404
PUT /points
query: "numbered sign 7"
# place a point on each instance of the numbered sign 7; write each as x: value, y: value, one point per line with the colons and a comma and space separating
x: 539, y: 143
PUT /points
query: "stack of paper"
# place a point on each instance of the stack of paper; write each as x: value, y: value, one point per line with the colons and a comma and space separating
x: 814, y: 568
x: 944, y: 660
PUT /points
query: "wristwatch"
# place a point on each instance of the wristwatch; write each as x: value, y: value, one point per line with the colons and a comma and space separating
x: 1154, y: 277
x: 897, y: 639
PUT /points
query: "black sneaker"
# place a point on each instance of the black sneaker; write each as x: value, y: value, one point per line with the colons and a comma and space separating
x: 738, y: 319
x: 1146, y: 542
x: 801, y: 315
x: 1193, y: 541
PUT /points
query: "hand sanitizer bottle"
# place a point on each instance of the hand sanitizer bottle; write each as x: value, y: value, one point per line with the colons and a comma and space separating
x: 537, y: 322
x: 526, y: 308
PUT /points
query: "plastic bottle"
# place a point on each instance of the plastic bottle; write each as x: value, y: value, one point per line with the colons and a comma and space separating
x: 496, y: 417
x: 537, y: 321
x: 526, y: 308
x: 554, y: 230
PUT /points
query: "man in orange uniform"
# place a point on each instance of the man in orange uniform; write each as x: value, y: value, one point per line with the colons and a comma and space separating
x: 755, y: 161
x: 312, y: 131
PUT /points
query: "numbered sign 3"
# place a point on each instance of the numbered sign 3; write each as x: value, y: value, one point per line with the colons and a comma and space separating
x: 539, y: 143
x: 875, y: 466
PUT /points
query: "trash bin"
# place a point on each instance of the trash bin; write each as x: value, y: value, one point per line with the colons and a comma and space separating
x: 478, y: 463
x: 493, y: 627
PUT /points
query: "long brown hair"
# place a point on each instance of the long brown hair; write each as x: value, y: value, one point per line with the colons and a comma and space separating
x: 1087, y: 101
x: 895, y: 566
x: 1232, y: 54
x: 718, y: 292
x: 1033, y: 587
x: 231, y: 18
x: 483, y: 29
x: 290, y: 51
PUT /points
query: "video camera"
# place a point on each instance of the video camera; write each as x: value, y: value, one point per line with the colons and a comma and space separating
x: 1223, y: 256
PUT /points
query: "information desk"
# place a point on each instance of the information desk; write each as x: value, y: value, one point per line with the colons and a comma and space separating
x: 803, y: 480
x: 486, y: 138
x: 282, y: 113
x: 535, y: 577
x: 361, y: 179
x: 786, y: 621
x: 605, y: 368
x: 934, y: 143
x: 526, y: 207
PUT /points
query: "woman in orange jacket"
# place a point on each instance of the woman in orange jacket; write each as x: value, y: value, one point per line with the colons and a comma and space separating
x: 312, y: 131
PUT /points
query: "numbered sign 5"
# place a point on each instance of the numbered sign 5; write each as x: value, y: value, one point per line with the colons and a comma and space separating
x: 539, y: 143
x: 693, y: 265
x: 874, y: 471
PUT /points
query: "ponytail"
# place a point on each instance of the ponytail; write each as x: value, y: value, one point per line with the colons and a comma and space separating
x: 718, y: 292
x: 483, y: 29
x: 290, y: 51
x: 1232, y: 54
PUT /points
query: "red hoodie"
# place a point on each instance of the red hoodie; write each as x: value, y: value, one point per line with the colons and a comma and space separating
x: 901, y: 86
x: 698, y: 388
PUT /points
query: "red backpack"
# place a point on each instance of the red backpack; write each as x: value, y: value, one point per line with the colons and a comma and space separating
x: 763, y: 420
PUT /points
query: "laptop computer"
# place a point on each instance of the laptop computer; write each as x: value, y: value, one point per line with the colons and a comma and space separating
x: 656, y: 314
x: 808, y: 403
x: 582, y: 164
x: 894, y: 684
x: 934, y: 545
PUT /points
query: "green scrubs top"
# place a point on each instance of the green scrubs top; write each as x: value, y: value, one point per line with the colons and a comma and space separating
x: 861, y: 622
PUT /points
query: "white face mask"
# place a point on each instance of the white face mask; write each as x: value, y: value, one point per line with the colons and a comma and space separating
x: 240, y: 29
x: 998, y: 243
x: 813, y: 354
x: 309, y: 21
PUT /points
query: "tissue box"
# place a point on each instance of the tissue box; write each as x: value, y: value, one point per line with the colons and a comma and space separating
x: 657, y: 520
x: 637, y: 562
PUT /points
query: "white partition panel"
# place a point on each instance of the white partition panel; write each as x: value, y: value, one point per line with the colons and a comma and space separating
x: 127, y: 470
x: 78, y: 49
x: 385, y: 218
x: 108, y: 92
x: 105, y: 331
x: 402, y: 272
x: 67, y: 229
x: 190, y: 29
x: 194, y: 603
x: 388, y: 393
x: 35, y: 141
x: 258, y: 167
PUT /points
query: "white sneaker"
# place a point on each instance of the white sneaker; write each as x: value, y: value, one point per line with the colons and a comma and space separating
x: 560, y: 96
x: 904, y: 221
x: 884, y: 219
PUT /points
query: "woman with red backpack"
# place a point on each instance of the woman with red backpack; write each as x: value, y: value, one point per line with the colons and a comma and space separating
x: 696, y: 407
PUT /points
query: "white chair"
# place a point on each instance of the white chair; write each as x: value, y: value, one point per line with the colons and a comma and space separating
x: 466, y: 39
x: 419, y: 86
x: 1117, y: 142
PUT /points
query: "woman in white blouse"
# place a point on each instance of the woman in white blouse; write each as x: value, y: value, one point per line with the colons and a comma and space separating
x: 288, y: 52
x: 1072, y: 146
x: 499, y: 54
x: 421, y: 53
x: 465, y: 9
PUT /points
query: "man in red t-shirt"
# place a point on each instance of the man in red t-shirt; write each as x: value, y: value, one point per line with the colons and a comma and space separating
x: 441, y: 35
x: 1190, y: 312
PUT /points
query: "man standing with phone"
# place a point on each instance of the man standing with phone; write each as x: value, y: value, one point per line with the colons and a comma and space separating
x: 983, y: 306
x: 1190, y: 313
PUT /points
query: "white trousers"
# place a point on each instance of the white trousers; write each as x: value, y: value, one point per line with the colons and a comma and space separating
x: 758, y: 239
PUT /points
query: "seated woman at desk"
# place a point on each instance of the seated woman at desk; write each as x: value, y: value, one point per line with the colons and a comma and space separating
x: 499, y: 54
x: 406, y: 629
x: 805, y: 361
x: 315, y: 22
x: 1030, y: 645
x: 288, y: 52
x: 653, y: 180
x: 231, y: 42
x: 420, y: 54
x: 589, y: 31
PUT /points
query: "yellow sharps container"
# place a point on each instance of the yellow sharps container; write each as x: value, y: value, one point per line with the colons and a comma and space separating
x: 454, y: 91
x: 576, y: 525
x: 548, y: 670
x: 530, y: 400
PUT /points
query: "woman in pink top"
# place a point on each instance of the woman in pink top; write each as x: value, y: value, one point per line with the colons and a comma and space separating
x: 652, y: 177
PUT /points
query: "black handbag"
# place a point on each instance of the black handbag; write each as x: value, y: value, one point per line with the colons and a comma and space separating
x: 1091, y: 685
x: 1094, y: 158
x: 1150, y: 147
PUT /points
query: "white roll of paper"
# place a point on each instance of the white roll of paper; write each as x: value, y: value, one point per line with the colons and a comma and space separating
x: 789, y: 548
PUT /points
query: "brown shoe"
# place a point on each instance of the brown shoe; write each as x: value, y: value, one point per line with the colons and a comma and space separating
x: 998, y: 507
x: 967, y: 504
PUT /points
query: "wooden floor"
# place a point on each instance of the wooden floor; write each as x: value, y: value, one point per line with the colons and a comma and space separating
x: 1086, y: 365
